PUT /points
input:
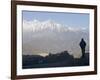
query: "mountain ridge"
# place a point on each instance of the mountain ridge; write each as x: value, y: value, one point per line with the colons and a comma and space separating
x: 51, y: 25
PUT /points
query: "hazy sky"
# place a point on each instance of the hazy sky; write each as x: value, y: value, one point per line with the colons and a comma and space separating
x: 70, y: 19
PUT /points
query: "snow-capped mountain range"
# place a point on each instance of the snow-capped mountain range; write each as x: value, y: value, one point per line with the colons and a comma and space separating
x: 44, y: 37
x: 48, y: 25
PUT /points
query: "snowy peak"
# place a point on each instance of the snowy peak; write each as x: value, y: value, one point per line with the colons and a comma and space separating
x: 48, y: 25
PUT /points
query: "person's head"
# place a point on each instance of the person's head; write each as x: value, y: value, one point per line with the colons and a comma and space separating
x: 82, y: 39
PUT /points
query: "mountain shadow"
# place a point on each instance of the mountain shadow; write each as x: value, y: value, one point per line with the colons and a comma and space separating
x: 62, y: 59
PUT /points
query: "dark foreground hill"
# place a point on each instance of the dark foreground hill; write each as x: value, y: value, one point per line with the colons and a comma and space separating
x: 62, y: 59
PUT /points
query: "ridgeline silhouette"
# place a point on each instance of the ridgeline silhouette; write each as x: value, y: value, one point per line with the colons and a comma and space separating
x: 62, y: 59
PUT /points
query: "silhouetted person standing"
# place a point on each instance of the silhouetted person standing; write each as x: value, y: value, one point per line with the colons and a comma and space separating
x: 82, y: 45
